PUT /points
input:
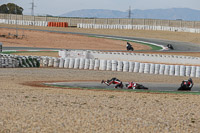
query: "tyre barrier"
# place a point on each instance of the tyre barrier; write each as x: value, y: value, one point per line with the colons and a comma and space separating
x: 157, y: 68
x: 162, y: 69
x: 87, y: 64
x: 71, y: 62
x: 132, y: 57
x: 76, y: 63
x: 125, y: 66
x: 50, y: 64
x: 66, y: 63
x: 120, y: 66
x: 92, y: 64
x: 136, y: 68
x: 152, y: 68
x: 57, y: 24
x: 13, y: 61
x: 131, y: 66
x: 197, y: 72
x: 147, y: 68
x: 114, y: 65
x: 96, y: 64
x: 141, y: 68
x: 177, y: 70
x: 61, y: 63
x: 56, y: 62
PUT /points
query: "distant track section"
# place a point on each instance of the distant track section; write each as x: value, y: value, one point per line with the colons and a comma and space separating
x: 178, y: 46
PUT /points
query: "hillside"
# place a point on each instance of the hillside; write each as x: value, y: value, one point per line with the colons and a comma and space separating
x: 169, y: 14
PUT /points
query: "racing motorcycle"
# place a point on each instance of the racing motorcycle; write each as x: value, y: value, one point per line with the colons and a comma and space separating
x: 129, y: 47
x: 186, y: 85
x: 170, y: 46
x: 132, y: 85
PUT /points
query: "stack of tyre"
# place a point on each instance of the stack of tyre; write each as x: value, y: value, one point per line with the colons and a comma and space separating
x: 12, y: 61
x: 121, y: 66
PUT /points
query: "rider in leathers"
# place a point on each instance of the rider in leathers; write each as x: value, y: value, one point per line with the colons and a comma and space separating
x: 186, y: 85
x: 113, y: 81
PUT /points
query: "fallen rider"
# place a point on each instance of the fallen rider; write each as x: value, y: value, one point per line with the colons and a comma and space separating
x: 115, y: 81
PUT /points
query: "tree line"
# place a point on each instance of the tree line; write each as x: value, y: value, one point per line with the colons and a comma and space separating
x: 11, y: 8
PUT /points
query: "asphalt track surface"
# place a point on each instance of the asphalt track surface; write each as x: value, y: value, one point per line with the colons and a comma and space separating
x: 178, y: 47
x: 98, y: 85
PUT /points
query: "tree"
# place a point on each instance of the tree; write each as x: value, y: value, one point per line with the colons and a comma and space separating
x: 11, y: 8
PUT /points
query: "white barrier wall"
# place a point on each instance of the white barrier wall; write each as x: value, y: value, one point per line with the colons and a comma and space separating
x: 133, y: 57
x: 138, y: 27
x: 122, y: 66
x: 23, y: 22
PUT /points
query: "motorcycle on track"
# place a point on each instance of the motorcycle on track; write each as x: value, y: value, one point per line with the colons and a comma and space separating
x: 170, y: 46
x: 129, y: 47
x: 186, y: 85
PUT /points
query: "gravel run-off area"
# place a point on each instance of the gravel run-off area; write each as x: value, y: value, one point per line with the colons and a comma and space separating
x: 26, y: 106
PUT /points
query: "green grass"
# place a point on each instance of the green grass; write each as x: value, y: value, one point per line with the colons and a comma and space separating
x: 153, y: 47
x: 129, y: 90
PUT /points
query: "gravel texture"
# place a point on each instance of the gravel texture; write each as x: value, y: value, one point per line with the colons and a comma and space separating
x: 25, y: 108
x: 43, y: 109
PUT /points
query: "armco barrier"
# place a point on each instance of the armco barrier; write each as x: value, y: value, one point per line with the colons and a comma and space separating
x: 124, y: 66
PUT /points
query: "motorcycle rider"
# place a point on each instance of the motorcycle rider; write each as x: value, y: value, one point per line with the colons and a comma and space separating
x: 170, y: 46
x: 129, y: 46
x: 186, y: 85
x: 113, y: 81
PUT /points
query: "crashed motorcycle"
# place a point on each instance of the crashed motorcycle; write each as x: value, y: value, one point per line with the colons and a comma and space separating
x: 132, y: 85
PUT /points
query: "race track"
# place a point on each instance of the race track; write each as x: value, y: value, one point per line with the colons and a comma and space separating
x: 178, y: 46
x: 98, y: 85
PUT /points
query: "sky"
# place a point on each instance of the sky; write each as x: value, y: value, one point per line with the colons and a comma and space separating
x: 59, y: 7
